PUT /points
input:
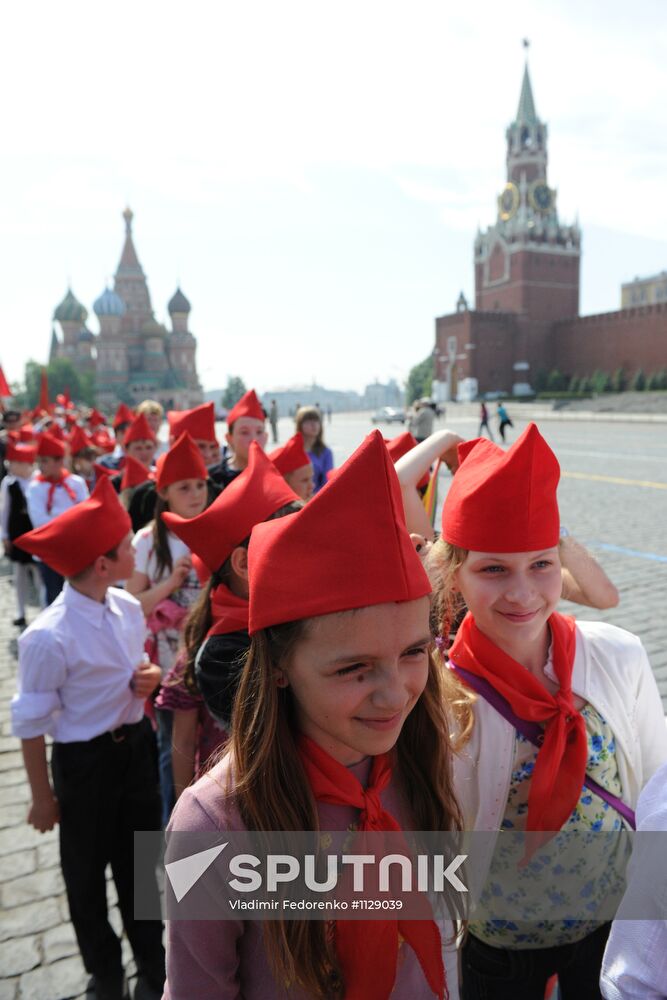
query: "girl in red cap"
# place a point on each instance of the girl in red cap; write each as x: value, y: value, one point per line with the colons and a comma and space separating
x: 568, y: 727
x: 164, y: 580
x: 339, y: 724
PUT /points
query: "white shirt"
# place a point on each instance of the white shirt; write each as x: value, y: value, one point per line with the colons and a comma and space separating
x: 4, y: 501
x: 146, y: 561
x: 76, y: 661
x: 635, y: 961
x: 38, y: 493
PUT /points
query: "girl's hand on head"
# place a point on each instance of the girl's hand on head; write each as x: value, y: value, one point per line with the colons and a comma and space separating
x: 145, y: 679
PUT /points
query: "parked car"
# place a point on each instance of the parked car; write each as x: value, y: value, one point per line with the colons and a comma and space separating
x: 388, y: 415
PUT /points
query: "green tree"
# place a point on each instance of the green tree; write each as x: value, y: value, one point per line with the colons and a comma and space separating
x: 234, y: 389
x: 638, y: 383
x: 662, y: 378
x: 600, y: 381
x: 556, y: 382
x: 585, y: 384
x: 62, y: 375
x: 574, y: 384
x: 653, y: 381
x: 420, y: 380
x: 619, y: 381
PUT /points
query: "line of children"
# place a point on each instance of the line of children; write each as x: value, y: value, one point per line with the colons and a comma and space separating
x: 83, y: 678
x: 308, y: 701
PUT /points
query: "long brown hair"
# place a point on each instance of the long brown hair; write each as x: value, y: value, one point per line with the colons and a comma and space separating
x: 160, y: 535
x: 447, y: 611
x: 311, y: 413
x: 272, y: 792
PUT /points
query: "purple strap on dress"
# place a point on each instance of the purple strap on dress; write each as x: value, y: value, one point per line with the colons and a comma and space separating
x: 534, y: 732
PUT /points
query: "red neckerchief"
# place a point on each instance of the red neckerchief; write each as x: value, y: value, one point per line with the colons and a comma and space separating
x: 230, y: 613
x: 56, y: 481
x: 368, y: 949
x: 560, y: 766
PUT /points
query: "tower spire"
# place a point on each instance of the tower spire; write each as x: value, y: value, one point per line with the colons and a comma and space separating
x: 526, y: 114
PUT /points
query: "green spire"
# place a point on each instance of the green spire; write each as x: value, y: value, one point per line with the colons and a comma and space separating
x: 526, y: 113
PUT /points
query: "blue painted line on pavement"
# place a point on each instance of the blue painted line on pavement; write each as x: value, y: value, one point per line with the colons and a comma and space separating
x: 628, y: 552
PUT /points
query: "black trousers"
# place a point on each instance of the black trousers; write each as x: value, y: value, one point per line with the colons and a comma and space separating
x: 53, y: 582
x: 106, y: 790
x: 522, y: 973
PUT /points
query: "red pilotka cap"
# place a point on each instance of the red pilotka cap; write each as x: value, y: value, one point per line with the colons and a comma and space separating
x: 139, y: 430
x: 347, y: 548
x: 134, y: 473
x: 504, y: 501
x: 290, y: 456
x: 26, y: 433
x: 199, y: 423
x: 253, y: 496
x: 50, y: 447
x: 182, y: 461
x: 21, y: 452
x: 73, y: 540
x: 124, y: 415
x: 96, y: 419
x: 247, y: 406
x: 400, y: 446
x: 78, y: 440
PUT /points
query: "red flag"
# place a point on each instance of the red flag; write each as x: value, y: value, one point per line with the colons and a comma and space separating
x: 4, y: 386
x: 44, y: 392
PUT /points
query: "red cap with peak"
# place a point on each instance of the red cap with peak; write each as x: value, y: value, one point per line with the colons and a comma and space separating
x: 504, y: 501
x: 103, y: 470
x: 290, y: 456
x: 124, y: 415
x: 21, y: 452
x: 103, y: 441
x: 253, y: 496
x: 26, y: 433
x: 182, y: 461
x: 73, y: 540
x: 400, y: 446
x: 199, y: 422
x: 49, y: 446
x: 78, y: 440
x: 247, y: 406
x: 139, y: 430
x: 56, y: 431
x: 96, y: 419
x: 134, y: 473
x: 350, y: 544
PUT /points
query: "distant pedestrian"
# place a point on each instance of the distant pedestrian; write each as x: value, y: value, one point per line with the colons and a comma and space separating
x: 421, y: 422
x: 329, y: 413
x: 484, y: 421
x: 503, y: 420
x: 309, y: 422
x: 273, y: 420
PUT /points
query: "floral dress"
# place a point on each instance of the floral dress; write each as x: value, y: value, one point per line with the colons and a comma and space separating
x: 558, y: 878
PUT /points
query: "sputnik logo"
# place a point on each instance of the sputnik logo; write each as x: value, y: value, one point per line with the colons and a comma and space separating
x: 184, y: 873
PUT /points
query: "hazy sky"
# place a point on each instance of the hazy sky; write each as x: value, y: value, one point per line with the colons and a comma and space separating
x: 313, y: 174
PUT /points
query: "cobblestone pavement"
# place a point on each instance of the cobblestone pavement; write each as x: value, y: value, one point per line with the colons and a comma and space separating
x: 613, y: 498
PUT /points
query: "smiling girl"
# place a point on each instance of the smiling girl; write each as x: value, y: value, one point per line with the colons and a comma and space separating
x: 339, y: 723
x: 568, y: 719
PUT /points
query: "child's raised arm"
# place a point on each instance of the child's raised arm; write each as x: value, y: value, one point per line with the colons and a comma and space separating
x: 411, y: 468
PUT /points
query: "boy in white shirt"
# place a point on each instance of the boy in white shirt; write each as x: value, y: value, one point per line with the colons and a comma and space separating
x: 15, y: 521
x: 83, y: 679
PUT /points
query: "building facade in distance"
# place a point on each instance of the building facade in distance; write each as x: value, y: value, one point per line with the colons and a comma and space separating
x: 527, y: 267
x: 133, y: 356
x: 644, y: 291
